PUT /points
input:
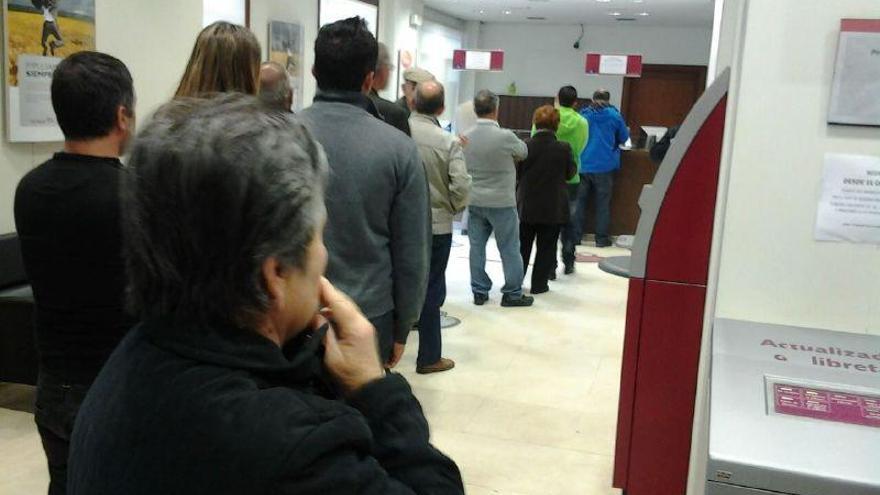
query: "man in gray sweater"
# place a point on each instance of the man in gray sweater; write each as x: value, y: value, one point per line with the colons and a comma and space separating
x: 378, y: 233
x: 491, y: 156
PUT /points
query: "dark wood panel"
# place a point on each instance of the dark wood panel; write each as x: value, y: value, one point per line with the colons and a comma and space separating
x: 515, y: 112
x: 663, y: 96
x: 636, y: 170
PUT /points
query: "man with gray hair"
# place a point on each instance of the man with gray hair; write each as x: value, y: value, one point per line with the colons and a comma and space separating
x: 275, y: 89
x: 449, y: 184
x: 235, y: 381
x: 491, y: 155
x: 390, y: 112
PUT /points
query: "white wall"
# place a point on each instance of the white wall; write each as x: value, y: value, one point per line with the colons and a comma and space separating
x: 153, y: 39
x: 540, y: 57
x: 771, y: 269
x: 396, y: 33
x: 303, y: 13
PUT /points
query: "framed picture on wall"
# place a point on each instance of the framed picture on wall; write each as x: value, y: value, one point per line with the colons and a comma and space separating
x: 330, y: 11
x: 286, y: 48
x: 406, y: 59
x: 855, y: 90
x: 38, y: 34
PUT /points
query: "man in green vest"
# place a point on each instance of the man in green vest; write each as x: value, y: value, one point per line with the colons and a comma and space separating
x: 573, y: 129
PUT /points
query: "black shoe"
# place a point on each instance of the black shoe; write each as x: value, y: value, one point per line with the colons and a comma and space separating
x: 540, y: 290
x: 513, y: 302
x: 603, y: 244
x: 480, y: 299
x: 552, y: 275
x: 569, y: 269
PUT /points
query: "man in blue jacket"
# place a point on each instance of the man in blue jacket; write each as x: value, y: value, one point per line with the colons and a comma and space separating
x: 599, y: 161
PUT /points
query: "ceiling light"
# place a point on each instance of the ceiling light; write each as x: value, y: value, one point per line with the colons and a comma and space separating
x: 644, y: 14
x: 638, y: 1
x: 603, y: 1
x: 615, y: 14
x: 506, y: 12
x: 482, y: 11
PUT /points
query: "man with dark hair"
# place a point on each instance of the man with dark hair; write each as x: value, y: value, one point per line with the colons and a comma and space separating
x: 450, y: 183
x: 235, y: 381
x: 379, y: 226
x: 599, y: 162
x: 391, y: 112
x: 67, y: 216
x: 491, y: 156
x: 275, y: 89
x: 573, y: 130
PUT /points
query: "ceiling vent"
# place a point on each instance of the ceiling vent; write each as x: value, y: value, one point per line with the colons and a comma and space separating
x: 625, y: 19
x: 536, y: 18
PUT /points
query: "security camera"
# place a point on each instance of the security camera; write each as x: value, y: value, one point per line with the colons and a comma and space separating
x: 577, y: 45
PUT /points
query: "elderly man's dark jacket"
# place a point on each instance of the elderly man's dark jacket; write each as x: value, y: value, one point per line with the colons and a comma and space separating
x: 392, y: 113
x: 182, y: 409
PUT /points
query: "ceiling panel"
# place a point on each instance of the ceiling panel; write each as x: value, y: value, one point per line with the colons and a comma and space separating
x: 593, y: 12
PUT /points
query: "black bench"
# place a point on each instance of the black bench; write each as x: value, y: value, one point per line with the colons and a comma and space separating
x: 18, y: 353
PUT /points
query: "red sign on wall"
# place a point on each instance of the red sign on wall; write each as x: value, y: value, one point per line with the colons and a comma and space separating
x: 614, y: 65
x: 492, y: 60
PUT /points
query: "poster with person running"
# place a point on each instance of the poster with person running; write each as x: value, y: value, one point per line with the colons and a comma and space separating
x: 38, y: 34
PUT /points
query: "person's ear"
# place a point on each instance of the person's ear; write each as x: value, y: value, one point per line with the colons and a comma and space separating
x: 368, y: 82
x: 124, y: 119
x: 274, y: 280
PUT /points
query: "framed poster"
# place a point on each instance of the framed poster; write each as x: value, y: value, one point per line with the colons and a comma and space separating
x: 38, y: 34
x: 286, y: 48
x: 855, y: 90
x: 330, y: 11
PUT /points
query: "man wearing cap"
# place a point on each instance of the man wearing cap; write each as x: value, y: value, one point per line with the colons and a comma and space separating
x: 411, y: 78
x: 391, y: 113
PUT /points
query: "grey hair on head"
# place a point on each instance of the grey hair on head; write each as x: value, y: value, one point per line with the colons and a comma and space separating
x: 214, y: 188
x: 275, y: 91
x: 485, y: 103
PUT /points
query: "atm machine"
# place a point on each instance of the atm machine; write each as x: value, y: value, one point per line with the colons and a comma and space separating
x: 793, y: 411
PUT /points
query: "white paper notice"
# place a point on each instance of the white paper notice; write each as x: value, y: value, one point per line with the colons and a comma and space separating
x: 613, y: 64
x: 849, y: 209
x: 35, y: 90
x: 477, y: 60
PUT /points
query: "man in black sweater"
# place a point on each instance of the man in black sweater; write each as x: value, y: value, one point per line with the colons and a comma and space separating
x: 67, y: 216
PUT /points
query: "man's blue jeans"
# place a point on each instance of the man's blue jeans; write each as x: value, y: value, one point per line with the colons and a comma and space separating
x: 430, y: 343
x: 505, y: 223
x: 569, y: 234
x: 600, y: 185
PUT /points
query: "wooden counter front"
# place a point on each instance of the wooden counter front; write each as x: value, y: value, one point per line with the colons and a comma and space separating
x: 636, y: 170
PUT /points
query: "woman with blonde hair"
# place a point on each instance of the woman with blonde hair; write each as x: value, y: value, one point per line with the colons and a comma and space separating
x: 542, y: 195
x: 225, y: 58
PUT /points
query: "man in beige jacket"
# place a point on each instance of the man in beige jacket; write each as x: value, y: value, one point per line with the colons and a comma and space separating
x: 449, y: 184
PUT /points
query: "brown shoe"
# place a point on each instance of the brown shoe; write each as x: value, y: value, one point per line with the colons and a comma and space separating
x: 442, y: 365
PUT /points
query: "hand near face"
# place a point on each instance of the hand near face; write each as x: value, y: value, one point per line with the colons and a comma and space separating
x: 351, y: 355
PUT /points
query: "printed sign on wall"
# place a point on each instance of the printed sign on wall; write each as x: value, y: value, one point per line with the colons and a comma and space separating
x: 849, y: 209
x: 614, y: 65
x: 491, y: 60
x: 855, y: 92
x: 39, y: 34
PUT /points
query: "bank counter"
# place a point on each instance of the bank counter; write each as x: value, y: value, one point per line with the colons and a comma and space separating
x: 793, y: 411
x: 636, y: 171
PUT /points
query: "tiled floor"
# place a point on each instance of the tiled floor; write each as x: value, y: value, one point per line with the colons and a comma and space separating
x: 530, y: 408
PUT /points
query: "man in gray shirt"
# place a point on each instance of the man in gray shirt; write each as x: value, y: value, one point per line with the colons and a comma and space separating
x: 491, y: 156
x: 378, y: 233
